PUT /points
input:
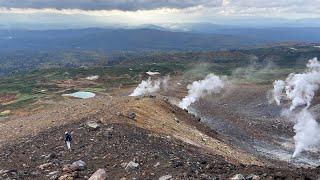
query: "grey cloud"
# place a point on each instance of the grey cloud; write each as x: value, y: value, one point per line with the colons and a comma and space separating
x: 272, y: 4
x: 130, y: 5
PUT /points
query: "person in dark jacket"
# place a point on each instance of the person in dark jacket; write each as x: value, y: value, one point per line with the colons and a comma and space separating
x: 68, y: 139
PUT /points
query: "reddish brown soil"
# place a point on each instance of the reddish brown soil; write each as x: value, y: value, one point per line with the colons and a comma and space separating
x: 5, y: 98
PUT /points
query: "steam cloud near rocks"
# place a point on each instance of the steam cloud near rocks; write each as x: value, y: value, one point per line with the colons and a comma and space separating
x: 300, y: 89
x: 211, y: 84
x: 150, y: 86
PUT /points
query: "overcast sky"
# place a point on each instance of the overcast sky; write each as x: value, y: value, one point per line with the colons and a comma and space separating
x: 158, y: 12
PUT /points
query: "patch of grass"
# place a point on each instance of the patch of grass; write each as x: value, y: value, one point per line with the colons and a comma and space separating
x: 22, y: 101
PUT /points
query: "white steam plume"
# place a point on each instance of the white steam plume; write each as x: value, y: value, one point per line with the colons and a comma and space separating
x: 278, y: 87
x: 211, y: 84
x: 307, y: 131
x: 151, y: 86
x: 300, y: 90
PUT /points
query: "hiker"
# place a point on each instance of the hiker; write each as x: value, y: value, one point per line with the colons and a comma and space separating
x: 68, y: 139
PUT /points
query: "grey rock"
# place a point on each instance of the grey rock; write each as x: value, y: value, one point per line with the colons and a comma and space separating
x: 157, y: 164
x: 238, y: 177
x: 50, y: 156
x: 124, y: 165
x: 45, y: 166
x: 206, y: 177
x: 100, y: 174
x: 92, y: 125
x: 76, y: 166
x: 53, y: 175
x: 108, y: 133
x: 253, y: 177
x: 119, y: 114
x: 132, y: 165
x: 166, y: 177
x: 79, y: 165
x: 4, y: 171
x: 131, y: 115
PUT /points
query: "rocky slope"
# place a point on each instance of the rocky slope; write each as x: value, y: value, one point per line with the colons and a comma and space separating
x: 142, y: 138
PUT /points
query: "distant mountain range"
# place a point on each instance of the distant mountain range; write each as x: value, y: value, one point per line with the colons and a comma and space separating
x: 197, y: 37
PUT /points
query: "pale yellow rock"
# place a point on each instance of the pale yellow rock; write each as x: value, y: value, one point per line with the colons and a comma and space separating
x: 5, y: 113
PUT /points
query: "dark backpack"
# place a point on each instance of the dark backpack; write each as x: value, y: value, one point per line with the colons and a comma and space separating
x: 68, y: 137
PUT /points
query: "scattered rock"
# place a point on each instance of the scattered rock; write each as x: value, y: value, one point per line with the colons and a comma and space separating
x: 132, y: 165
x: 252, y: 177
x: 238, y: 177
x: 53, y: 175
x: 124, y: 165
x: 157, y: 164
x: 4, y: 172
x: 100, y: 174
x: 166, y: 177
x: 76, y: 166
x: 206, y: 177
x: 152, y: 96
x: 50, y: 156
x: 66, y: 177
x: 45, y: 166
x: 177, y: 164
x: 108, y: 133
x: 208, y: 166
x: 5, y: 113
x: 119, y: 114
x: 131, y: 115
x: 92, y: 125
x: 34, y: 173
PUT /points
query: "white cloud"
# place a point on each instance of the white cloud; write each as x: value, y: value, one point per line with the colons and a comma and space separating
x: 130, y: 5
x: 159, y: 13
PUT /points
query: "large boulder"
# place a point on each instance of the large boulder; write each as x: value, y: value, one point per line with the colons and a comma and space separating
x: 100, y: 174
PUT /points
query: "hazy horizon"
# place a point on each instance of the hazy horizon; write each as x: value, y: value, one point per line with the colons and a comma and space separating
x: 171, y: 14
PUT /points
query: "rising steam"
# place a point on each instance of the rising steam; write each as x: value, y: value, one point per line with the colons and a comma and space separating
x: 211, y: 84
x: 151, y: 86
x: 300, y: 89
x: 307, y: 131
x: 278, y: 87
